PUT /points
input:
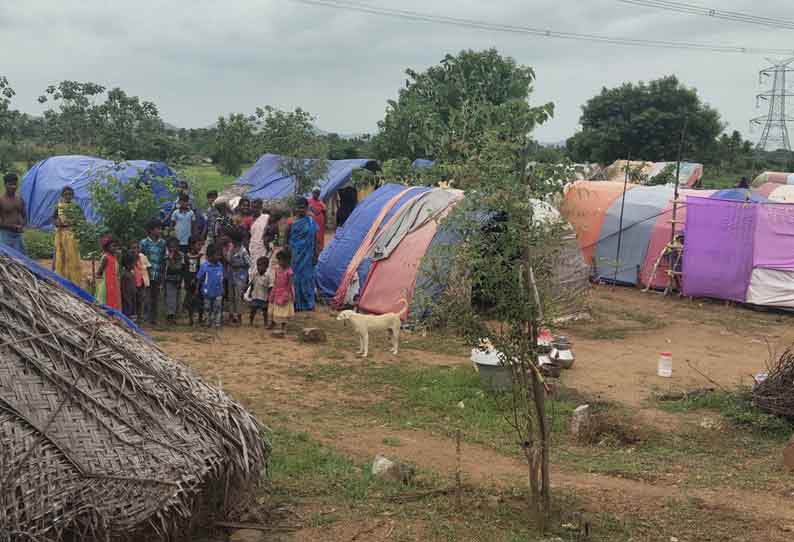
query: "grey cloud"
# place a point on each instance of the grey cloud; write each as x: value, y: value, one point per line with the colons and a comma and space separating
x: 199, y: 59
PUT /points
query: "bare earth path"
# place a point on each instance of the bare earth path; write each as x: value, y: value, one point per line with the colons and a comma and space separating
x: 268, y: 375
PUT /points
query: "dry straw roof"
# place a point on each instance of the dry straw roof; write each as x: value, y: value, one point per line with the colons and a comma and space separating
x: 102, y: 436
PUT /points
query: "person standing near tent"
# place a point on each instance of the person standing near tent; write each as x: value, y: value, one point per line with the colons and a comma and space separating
x: 319, y: 211
x: 13, y: 216
x: 183, y: 190
x: 210, y: 218
x: 153, y: 247
x: 744, y: 183
x: 67, y: 252
x: 302, y: 241
x: 258, y: 245
x: 184, y: 220
x: 108, y: 289
x: 348, y: 199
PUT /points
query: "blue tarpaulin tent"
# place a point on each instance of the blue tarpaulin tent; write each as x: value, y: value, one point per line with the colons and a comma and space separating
x: 42, y: 185
x: 337, y: 255
x: 269, y: 182
x: 45, y: 274
x: 422, y: 162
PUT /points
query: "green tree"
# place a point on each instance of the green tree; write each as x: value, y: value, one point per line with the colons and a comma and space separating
x: 510, y: 263
x: 645, y: 121
x: 127, y: 127
x: 125, y: 208
x: 73, y: 119
x: 6, y: 114
x: 444, y: 112
x: 292, y: 134
x: 7, y: 125
x: 233, y: 139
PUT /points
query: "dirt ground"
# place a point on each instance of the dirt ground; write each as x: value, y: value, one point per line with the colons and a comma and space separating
x: 301, y: 388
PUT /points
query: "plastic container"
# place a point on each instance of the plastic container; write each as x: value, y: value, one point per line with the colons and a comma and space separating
x: 665, y: 368
x: 493, y: 373
x: 561, y: 352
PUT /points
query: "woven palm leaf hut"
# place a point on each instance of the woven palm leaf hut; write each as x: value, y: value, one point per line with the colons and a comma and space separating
x: 102, y: 435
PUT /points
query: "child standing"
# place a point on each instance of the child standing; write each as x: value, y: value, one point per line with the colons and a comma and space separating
x: 108, y: 290
x: 141, y: 272
x: 192, y: 297
x: 174, y: 274
x: 281, y: 302
x: 183, y: 220
x: 260, y: 286
x: 129, y: 290
x: 209, y: 282
x: 239, y: 263
x: 153, y: 247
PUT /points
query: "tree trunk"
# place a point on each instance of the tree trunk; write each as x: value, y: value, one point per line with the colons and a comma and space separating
x: 540, y: 410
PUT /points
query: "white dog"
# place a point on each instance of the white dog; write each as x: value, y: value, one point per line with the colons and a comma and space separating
x: 364, y: 323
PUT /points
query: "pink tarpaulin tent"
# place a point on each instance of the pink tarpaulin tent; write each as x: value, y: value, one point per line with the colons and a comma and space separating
x: 390, y: 283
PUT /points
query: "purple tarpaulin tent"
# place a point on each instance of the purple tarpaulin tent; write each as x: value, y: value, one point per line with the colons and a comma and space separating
x: 774, y: 237
x: 718, y: 248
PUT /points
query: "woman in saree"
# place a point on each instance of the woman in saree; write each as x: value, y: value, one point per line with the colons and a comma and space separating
x: 67, y: 252
x: 302, y: 238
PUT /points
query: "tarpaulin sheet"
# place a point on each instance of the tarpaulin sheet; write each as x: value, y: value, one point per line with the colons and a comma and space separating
x: 775, y: 177
x: 585, y: 206
x: 390, y: 284
x: 718, y: 258
x: 422, y: 163
x: 269, y: 182
x: 740, y: 194
x: 43, y: 183
x: 689, y: 174
x: 410, y: 218
x: 336, y: 257
x: 662, y: 235
x: 780, y: 193
x: 45, y: 274
x: 771, y: 287
x: 642, y: 207
x: 774, y: 237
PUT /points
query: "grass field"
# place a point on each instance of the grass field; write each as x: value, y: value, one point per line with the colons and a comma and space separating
x: 204, y: 178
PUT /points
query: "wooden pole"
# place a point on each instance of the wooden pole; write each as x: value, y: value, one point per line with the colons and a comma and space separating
x: 620, y: 221
x: 677, y: 177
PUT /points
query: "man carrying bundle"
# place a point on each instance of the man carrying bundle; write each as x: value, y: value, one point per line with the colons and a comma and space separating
x: 13, y: 216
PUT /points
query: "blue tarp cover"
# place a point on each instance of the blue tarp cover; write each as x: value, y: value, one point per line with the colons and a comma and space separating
x: 740, y: 194
x: 45, y: 274
x: 643, y: 206
x: 422, y: 162
x: 270, y: 183
x: 42, y: 185
x: 336, y: 257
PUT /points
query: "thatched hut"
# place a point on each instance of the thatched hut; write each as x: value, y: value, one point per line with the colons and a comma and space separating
x: 102, y: 435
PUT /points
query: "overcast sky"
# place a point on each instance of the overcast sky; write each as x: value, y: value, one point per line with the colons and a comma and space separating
x: 197, y: 59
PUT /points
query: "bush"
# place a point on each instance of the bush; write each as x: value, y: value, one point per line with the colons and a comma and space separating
x: 738, y: 408
x: 39, y: 245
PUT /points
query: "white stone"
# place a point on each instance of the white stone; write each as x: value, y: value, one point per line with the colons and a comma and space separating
x: 580, y: 419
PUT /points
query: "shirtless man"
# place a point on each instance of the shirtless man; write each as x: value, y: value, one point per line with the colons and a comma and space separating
x: 13, y: 217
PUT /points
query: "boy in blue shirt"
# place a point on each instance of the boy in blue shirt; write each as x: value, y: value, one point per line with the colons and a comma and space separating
x: 153, y: 247
x: 210, y: 282
x: 184, y: 220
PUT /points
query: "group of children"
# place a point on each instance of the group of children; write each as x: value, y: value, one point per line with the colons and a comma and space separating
x: 205, y: 269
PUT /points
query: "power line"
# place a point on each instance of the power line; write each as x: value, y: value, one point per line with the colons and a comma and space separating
x: 540, y: 32
x: 715, y: 13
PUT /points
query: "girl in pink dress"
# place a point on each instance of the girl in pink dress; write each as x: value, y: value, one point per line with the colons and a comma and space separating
x: 281, y: 301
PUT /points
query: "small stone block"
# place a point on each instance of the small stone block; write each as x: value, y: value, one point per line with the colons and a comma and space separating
x: 314, y: 335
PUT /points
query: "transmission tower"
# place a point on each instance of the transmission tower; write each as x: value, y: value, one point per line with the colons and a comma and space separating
x: 775, y: 133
